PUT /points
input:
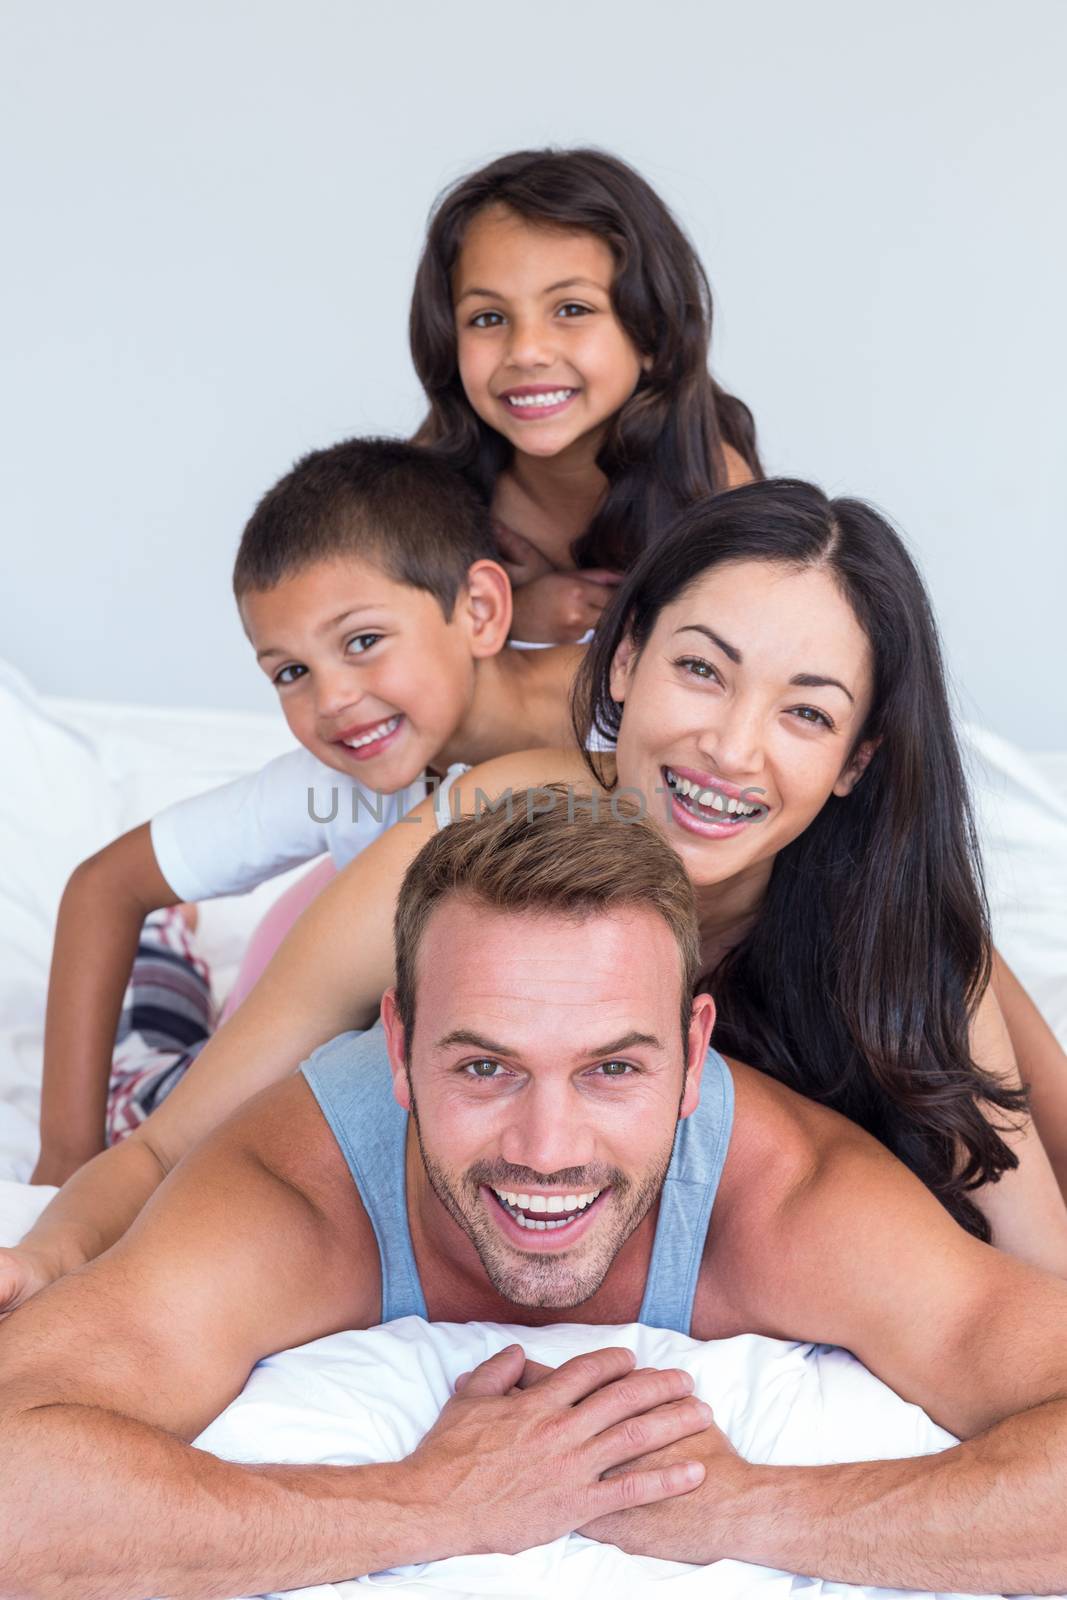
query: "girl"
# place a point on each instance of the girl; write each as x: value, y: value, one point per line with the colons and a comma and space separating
x: 772, y: 680
x: 560, y: 326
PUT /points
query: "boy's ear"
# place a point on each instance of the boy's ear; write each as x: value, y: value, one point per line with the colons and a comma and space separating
x: 857, y: 766
x: 622, y: 666
x: 486, y: 603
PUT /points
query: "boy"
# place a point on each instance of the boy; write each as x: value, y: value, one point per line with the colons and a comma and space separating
x: 368, y: 584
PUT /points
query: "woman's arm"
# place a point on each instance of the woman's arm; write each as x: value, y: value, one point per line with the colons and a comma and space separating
x: 1042, y: 1064
x: 327, y: 976
x: 1025, y: 1208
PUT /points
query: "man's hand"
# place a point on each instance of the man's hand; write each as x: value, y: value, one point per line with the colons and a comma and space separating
x: 23, y: 1273
x: 509, y: 1468
x: 559, y: 607
x: 682, y: 1529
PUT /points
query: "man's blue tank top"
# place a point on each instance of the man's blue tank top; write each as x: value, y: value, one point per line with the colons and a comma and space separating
x: 351, y: 1080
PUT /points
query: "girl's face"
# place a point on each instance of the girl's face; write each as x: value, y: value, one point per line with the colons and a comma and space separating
x: 542, y: 356
x: 749, y: 694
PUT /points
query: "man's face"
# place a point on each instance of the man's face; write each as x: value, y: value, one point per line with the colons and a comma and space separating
x: 546, y: 1076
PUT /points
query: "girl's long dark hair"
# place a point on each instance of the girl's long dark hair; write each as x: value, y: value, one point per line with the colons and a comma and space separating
x: 664, y: 448
x: 858, y: 981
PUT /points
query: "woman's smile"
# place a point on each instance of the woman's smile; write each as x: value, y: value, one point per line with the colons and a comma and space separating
x: 708, y: 805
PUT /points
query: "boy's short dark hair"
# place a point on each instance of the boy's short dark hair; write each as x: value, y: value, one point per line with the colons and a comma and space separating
x: 399, y: 504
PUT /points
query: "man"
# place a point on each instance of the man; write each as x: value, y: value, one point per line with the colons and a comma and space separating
x: 572, y: 1151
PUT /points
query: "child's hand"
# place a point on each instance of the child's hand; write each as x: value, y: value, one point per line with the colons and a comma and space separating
x: 521, y: 560
x: 560, y: 607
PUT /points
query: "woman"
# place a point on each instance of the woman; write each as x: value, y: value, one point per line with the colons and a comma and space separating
x: 772, y: 681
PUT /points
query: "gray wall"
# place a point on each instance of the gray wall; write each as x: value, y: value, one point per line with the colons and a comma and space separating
x: 213, y: 211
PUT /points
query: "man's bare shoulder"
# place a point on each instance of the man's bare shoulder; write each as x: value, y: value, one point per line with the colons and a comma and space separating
x: 282, y: 1132
x: 783, y: 1138
x: 784, y: 1151
x: 255, y: 1242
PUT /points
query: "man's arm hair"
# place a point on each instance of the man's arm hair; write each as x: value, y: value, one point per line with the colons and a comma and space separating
x: 857, y: 1253
x: 252, y: 1245
x: 258, y: 1241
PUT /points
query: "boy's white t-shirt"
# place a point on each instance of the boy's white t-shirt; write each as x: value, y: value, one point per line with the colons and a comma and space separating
x: 295, y: 808
x: 233, y: 838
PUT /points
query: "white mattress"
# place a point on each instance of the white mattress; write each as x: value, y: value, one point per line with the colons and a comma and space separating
x: 78, y: 773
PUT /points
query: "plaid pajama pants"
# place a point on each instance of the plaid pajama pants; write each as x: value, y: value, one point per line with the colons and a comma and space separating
x: 168, y: 1015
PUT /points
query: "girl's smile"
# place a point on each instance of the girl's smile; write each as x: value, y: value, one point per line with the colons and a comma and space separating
x: 534, y: 404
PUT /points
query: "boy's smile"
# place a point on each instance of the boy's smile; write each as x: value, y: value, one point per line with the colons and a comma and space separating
x: 372, y: 678
x: 369, y: 739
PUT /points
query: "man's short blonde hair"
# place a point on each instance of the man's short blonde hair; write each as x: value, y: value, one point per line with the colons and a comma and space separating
x: 547, y: 850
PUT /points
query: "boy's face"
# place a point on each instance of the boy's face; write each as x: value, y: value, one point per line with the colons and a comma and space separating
x: 372, y: 679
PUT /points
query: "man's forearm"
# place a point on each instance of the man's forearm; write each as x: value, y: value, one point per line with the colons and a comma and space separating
x: 98, y: 1507
x: 984, y: 1517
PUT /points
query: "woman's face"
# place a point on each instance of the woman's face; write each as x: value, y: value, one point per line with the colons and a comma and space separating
x: 542, y: 357
x: 749, y: 693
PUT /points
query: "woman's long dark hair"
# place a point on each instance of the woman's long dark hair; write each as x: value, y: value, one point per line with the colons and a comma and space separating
x: 858, y: 981
x: 663, y: 449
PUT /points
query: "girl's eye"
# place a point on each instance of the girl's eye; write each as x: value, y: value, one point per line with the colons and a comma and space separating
x: 288, y: 675
x: 572, y: 308
x: 697, y: 667
x: 362, y: 641
x: 484, y: 1070
x: 811, y: 715
x: 481, y: 320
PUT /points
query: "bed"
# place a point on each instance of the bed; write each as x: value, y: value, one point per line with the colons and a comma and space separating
x: 78, y: 772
